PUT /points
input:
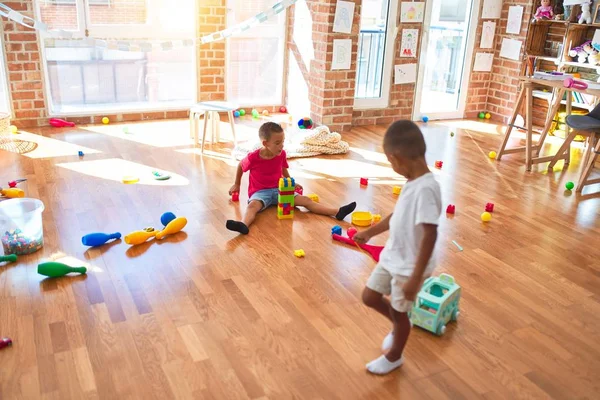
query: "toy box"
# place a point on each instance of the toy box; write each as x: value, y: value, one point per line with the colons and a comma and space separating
x: 436, y: 304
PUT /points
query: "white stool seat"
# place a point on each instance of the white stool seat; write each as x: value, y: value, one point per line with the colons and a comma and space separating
x: 210, y: 110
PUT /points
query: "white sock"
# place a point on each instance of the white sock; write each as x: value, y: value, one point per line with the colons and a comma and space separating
x: 388, y: 341
x: 382, y: 365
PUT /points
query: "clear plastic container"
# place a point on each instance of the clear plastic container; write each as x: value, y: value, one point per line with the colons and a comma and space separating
x: 21, y: 227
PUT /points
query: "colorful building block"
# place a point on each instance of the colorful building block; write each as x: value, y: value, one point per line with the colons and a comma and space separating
x: 299, y: 190
x: 364, y: 181
x: 489, y: 207
x: 376, y: 218
x: 439, y: 164
x: 396, y: 190
x: 313, y: 197
x: 451, y: 209
x: 235, y: 196
x: 285, y: 198
x: 336, y: 230
x: 299, y: 253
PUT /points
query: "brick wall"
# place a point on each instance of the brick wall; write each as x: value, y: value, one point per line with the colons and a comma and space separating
x: 64, y: 16
x: 211, y: 56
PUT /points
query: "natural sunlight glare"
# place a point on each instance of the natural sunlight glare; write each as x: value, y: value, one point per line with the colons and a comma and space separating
x: 74, y: 262
x: 344, y: 168
x: 48, y: 147
x: 115, y: 169
x: 371, y: 155
x: 158, y: 133
x: 483, y: 127
x: 303, y: 32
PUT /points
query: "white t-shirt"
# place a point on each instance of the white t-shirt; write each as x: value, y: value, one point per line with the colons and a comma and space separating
x: 420, y: 203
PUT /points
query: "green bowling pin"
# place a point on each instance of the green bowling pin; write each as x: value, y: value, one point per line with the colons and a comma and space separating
x: 55, y: 269
x: 8, y: 258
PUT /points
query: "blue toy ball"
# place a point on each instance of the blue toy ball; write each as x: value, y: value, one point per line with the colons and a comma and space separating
x: 425, y: 118
x: 305, y: 123
x: 166, y: 218
x: 236, y: 114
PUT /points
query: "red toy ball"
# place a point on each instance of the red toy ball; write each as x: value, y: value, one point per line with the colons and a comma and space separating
x: 489, y: 207
x: 282, y: 109
x: 451, y: 209
x: 351, y: 232
x: 305, y: 123
x: 439, y: 164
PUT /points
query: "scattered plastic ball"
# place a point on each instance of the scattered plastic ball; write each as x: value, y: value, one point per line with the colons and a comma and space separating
x: 265, y: 112
x: 166, y: 218
x: 282, y: 109
x: 486, y: 217
x: 488, y: 115
x: 80, y: 153
x: 305, y: 123
x: 242, y: 112
x: 13, y: 129
x: 425, y: 118
x: 451, y: 134
x: 570, y: 185
x: 255, y: 113
x: 236, y: 114
x: 105, y: 120
x: 481, y: 115
x: 351, y: 232
x: 492, y: 154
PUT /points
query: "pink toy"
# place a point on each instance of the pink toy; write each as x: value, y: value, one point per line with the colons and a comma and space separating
x: 575, y: 84
x: 351, y: 232
x: 364, y: 181
x: 299, y: 190
x: 489, y: 207
x: 438, y: 164
x: 451, y: 209
x: 374, y: 251
x: 235, y: 196
x: 544, y: 11
x: 60, y: 123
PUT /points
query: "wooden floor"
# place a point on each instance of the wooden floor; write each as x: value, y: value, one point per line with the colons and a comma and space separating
x: 207, y: 314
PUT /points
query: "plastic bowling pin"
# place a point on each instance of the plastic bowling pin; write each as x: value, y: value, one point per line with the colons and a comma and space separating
x: 139, y: 237
x: 13, y: 184
x: 55, y: 269
x: 98, y: 239
x: 173, y: 227
x: 12, y: 193
x: 60, y: 123
x: 8, y: 258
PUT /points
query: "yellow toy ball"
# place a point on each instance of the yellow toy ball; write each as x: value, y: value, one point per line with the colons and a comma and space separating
x: 105, y: 120
x: 488, y: 115
x: 486, y: 217
x: 265, y: 112
x: 13, y: 129
x: 492, y: 154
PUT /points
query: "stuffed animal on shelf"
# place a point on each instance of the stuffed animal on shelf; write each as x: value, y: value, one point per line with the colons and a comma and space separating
x: 586, y: 14
x: 579, y: 54
x: 591, y: 52
x: 544, y: 11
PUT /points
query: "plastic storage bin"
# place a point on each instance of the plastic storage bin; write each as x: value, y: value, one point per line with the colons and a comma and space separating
x: 21, y: 226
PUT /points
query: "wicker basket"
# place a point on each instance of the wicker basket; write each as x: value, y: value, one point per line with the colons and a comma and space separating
x: 4, y: 123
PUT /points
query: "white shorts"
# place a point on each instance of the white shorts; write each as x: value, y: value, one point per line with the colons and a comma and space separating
x: 386, y: 283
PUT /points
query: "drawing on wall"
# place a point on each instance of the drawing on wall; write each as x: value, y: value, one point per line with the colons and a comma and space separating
x: 405, y: 73
x: 511, y: 49
x: 515, y: 17
x: 487, y: 35
x: 408, y: 46
x: 342, y: 54
x: 412, y: 11
x: 344, y: 13
x: 491, y: 9
x: 483, y: 62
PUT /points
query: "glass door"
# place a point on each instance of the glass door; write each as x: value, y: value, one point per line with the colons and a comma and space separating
x: 446, y: 49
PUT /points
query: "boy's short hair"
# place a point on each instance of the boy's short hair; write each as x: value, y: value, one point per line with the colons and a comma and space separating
x: 267, y: 129
x: 405, y: 139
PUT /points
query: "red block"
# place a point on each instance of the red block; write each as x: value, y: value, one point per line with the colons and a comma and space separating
x: 451, y: 209
x: 235, y: 196
x: 299, y: 190
x: 364, y: 181
x: 489, y: 207
x: 438, y: 164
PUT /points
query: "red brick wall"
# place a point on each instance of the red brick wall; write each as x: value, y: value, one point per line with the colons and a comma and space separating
x: 64, y: 16
x: 211, y: 56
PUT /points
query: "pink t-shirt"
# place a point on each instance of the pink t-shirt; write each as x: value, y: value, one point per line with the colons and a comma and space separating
x: 264, y: 174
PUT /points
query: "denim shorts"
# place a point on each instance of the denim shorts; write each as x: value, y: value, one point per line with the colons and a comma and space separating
x: 268, y: 197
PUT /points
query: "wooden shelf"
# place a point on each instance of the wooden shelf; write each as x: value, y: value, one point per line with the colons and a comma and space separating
x: 540, y: 94
x: 579, y: 65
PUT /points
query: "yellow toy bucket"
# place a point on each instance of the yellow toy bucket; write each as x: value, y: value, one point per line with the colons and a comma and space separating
x: 362, y: 218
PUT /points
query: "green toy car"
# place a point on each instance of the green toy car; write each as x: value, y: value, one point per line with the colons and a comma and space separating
x: 436, y: 304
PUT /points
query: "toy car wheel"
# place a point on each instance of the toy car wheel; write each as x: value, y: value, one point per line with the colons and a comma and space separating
x: 455, y: 315
x: 441, y: 329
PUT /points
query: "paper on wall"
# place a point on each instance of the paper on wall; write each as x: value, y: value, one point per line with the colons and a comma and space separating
x: 405, y: 73
x: 511, y: 49
x: 483, y: 62
x: 491, y: 9
x: 344, y: 14
x: 487, y: 35
x: 515, y: 17
x: 342, y: 54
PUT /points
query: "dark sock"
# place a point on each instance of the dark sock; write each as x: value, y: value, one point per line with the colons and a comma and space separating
x: 345, y: 210
x: 237, y: 226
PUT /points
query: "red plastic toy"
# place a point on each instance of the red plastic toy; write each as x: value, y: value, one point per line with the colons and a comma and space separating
x: 235, y: 196
x: 5, y: 342
x: 364, y: 181
x: 451, y: 209
x: 351, y: 232
x: 299, y: 190
x: 282, y: 109
x: 13, y: 184
x: 60, y: 123
x: 489, y: 207
x: 374, y: 251
x: 438, y: 164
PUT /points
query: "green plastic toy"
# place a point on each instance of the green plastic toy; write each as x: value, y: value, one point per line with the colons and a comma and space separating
x: 55, y: 269
x: 436, y: 304
x: 570, y: 185
x: 8, y: 258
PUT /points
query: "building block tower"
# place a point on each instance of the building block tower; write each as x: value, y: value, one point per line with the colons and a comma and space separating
x: 285, y: 198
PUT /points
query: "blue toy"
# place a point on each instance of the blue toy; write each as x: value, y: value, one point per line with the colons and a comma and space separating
x: 236, y: 114
x: 166, y: 218
x: 80, y: 153
x: 436, y: 304
x: 305, y: 123
x: 337, y: 230
x: 98, y: 239
x: 425, y: 118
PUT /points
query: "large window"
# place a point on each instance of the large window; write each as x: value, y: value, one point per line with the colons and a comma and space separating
x: 90, y: 79
x: 4, y: 97
x: 255, y: 57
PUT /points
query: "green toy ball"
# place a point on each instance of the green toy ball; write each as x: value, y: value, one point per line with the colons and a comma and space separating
x: 242, y: 112
x: 255, y: 113
x: 570, y: 185
x: 481, y: 115
x: 451, y: 134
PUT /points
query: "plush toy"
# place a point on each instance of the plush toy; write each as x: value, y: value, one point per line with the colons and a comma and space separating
x: 544, y: 11
x: 594, y: 58
x: 578, y: 54
x: 586, y: 14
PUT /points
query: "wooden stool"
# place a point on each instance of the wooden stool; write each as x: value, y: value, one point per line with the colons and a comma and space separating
x: 591, y: 156
x: 210, y: 110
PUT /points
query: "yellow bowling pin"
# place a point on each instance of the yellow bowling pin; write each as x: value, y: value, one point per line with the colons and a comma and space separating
x: 173, y: 227
x: 139, y: 237
x: 12, y: 193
